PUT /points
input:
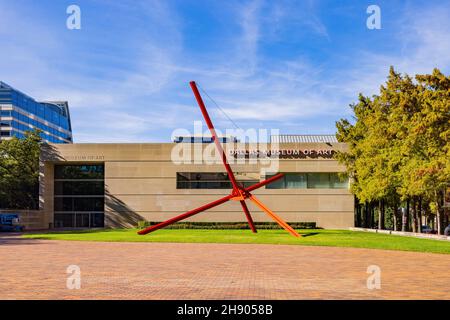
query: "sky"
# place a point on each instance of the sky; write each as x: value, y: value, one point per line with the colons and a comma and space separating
x: 294, y: 66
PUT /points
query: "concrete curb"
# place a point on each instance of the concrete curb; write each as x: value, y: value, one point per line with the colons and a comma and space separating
x: 405, y: 234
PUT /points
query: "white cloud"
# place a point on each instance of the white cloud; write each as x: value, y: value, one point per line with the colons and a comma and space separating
x: 248, y: 41
x: 138, y: 90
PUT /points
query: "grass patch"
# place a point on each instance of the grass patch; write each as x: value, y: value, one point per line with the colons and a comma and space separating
x: 312, y: 237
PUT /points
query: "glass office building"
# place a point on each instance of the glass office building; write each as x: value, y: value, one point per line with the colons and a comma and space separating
x: 20, y: 113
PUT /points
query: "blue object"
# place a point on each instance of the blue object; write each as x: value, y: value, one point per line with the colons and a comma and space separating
x: 10, y: 222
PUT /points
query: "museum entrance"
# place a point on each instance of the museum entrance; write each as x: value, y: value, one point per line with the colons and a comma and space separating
x: 79, y: 220
x: 79, y: 196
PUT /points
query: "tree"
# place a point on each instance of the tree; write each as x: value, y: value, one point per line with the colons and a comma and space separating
x: 398, y: 145
x: 429, y: 142
x: 19, y: 172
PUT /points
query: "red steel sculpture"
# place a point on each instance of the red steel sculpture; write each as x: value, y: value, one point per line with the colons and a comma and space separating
x: 238, y: 193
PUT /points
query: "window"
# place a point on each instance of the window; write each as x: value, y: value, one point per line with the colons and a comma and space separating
x: 79, y: 187
x: 310, y: 180
x: 338, y: 181
x: 79, y: 196
x: 318, y: 180
x: 79, y: 172
x: 79, y: 204
x: 79, y: 220
x: 296, y: 181
x: 64, y: 220
x: 213, y: 180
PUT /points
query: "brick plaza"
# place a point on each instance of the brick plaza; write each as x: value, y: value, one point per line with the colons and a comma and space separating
x: 36, y: 269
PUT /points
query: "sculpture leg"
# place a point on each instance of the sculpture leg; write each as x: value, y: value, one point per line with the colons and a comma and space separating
x: 249, y: 217
x: 185, y: 215
x: 277, y: 219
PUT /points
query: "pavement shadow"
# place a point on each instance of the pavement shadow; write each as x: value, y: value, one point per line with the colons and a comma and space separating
x: 310, y: 234
x: 16, y: 239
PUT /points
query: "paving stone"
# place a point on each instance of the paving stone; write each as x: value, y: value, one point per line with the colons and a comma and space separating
x: 36, y: 269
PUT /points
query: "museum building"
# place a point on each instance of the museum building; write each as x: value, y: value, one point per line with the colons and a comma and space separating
x: 96, y: 185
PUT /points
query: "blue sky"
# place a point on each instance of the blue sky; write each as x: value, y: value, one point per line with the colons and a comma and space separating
x: 288, y: 65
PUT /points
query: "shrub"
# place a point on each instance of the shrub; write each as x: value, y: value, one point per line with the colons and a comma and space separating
x: 227, y: 225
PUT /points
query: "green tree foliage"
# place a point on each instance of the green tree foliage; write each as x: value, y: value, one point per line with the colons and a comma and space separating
x: 399, y: 147
x: 19, y: 172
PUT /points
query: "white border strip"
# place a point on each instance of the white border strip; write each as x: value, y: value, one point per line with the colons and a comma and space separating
x: 405, y: 234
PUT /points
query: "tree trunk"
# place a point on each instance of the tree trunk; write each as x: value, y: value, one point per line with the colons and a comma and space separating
x: 357, y: 213
x: 438, y: 219
x: 405, y: 217
x: 419, y: 215
x: 372, y: 212
x: 438, y: 214
x: 446, y: 217
x: 381, y: 215
x: 404, y: 220
x: 366, y: 215
x: 394, y: 216
x: 414, y: 216
x: 408, y: 220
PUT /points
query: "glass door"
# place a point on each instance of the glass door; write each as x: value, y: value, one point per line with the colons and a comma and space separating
x: 82, y: 220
